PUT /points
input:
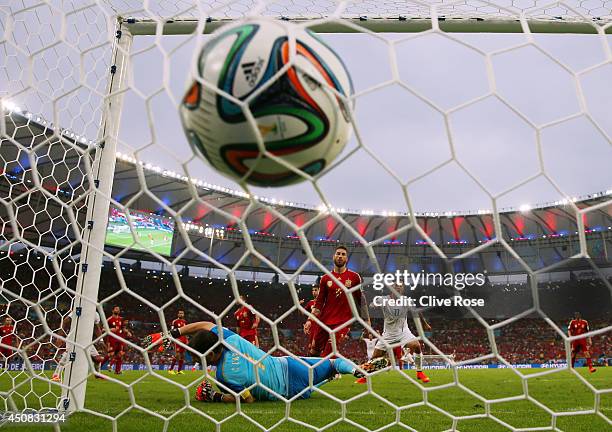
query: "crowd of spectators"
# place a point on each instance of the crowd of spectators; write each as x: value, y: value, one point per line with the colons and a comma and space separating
x: 36, y: 302
x: 527, y: 340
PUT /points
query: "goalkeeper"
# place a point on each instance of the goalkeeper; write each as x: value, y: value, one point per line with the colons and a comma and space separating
x: 239, y: 362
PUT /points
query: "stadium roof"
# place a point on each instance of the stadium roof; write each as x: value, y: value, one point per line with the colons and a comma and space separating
x: 168, y: 193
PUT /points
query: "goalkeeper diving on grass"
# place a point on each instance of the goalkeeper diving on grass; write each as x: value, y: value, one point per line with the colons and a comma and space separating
x: 239, y: 362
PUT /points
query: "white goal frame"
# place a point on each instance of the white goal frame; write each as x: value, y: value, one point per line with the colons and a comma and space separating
x: 98, y: 205
x: 143, y: 27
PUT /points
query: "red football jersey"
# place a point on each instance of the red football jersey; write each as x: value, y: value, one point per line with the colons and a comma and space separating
x: 332, y: 301
x: 6, y: 331
x: 121, y: 332
x: 114, y: 322
x: 178, y: 323
x: 578, y: 327
x: 245, y: 319
x: 310, y: 305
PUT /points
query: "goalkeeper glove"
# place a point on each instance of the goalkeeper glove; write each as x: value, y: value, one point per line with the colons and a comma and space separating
x: 206, y: 393
x: 154, y: 340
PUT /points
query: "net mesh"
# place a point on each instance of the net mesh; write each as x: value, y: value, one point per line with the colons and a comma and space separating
x: 58, y: 60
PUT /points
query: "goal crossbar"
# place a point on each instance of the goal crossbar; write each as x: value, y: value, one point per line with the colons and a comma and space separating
x: 143, y: 27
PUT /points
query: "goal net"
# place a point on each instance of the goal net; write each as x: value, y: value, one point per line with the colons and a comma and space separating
x: 463, y: 112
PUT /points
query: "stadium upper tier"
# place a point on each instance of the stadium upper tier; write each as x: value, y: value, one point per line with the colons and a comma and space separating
x: 62, y: 170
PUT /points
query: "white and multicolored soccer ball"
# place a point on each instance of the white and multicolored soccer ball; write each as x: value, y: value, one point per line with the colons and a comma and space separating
x: 300, y: 118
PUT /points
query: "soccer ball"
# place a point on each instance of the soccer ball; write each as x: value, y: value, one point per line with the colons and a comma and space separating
x: 300, y: 118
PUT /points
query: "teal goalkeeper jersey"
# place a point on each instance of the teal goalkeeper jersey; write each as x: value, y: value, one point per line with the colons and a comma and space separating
x: 236, y: 372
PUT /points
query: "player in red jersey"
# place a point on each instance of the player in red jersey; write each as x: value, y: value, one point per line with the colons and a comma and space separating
x: 179, y: 351
x: 115, y: 321
x: 332, y: 306
x: 576, y: 327
x: 114, y: 324
x: 7, y: 332
x: 309, y: 307
x: 118, y: 345
x: 247, y: 323
x: 311, y: 303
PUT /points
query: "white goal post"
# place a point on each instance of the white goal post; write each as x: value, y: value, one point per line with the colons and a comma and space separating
x: 94, y: 236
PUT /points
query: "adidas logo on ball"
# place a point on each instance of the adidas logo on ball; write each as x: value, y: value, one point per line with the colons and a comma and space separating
x: 251, y: 71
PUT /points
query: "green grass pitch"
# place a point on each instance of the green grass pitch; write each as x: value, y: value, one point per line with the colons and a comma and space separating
x: 161, y: 241
x: 560, y: 391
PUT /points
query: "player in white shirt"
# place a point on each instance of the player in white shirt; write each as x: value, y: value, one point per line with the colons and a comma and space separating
x: 396, y: 332
x: 370, y: 345
x: 93, y: 352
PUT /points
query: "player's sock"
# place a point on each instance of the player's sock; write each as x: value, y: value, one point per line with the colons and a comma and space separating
x: 58, y: 371
x: 180, y: 365
x: 397, y: 354
x: 573, y: 360
x: 61, y: 365
x: 343, y: 366
x: 589, y: 362
x: 328, y: 350
x: 418, y: 361
x: 118, y: 362
x: 173, y: 363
